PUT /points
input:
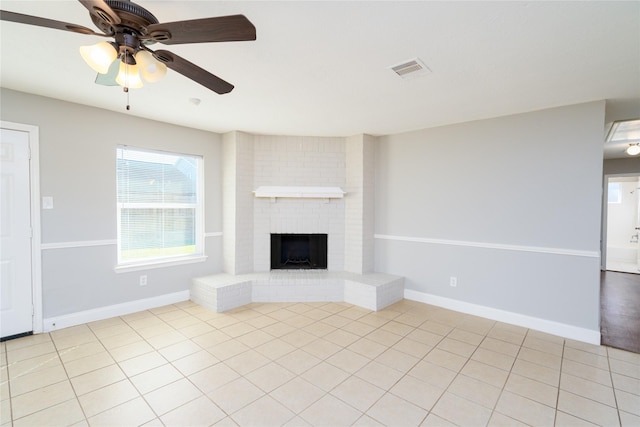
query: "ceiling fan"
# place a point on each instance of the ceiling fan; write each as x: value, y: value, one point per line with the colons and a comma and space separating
x: 133, y: 29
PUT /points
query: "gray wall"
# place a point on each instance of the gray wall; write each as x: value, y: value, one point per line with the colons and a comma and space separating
x: 529, y: 183
x: 618, y: 166
x: 78, y: 169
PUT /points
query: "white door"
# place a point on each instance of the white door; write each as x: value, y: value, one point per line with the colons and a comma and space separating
x: 16, y: 297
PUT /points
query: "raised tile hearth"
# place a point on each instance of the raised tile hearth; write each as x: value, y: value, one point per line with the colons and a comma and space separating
x: 222, y: 292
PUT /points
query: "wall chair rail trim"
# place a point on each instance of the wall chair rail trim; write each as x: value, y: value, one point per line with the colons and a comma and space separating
x: 486, y: 245
x: 106, y: 242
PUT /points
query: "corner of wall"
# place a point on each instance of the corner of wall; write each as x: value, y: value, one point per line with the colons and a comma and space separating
x: 237, y: 199
x: 359, y: 206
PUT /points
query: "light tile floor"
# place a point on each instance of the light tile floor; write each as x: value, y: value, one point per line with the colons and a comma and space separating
x: 318, y: 364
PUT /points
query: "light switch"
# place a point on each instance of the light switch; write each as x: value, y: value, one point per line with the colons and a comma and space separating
x: 47, y: 202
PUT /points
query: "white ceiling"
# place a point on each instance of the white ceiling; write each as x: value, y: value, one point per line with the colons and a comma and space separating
x: 322, y: 67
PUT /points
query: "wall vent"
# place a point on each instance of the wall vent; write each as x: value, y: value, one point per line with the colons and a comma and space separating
x: 412, y: 68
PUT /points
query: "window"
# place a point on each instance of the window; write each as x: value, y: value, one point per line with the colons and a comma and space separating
x: 614, y: 193
x: 159, y: 206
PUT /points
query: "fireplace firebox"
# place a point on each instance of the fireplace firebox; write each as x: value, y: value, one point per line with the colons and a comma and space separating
x: 298, y: 251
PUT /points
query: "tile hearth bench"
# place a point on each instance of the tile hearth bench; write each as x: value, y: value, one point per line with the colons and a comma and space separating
x: 222, y: 292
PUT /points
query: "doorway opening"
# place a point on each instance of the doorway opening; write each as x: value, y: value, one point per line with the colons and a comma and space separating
x: 621, y: 224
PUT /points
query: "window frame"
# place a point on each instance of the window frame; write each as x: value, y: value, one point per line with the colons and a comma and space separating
x: 617, y: 191
x: 199, y: 234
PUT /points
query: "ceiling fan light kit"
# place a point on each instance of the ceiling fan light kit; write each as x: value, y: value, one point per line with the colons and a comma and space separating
x: 133, y: 29
x: 129, y: 76
x: 133, y: 64
x: 151, y: 69
x: 99, y: 56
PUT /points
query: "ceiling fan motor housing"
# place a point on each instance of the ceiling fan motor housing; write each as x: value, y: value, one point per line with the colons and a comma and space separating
x: 133, y: 17
x: 127, y: 43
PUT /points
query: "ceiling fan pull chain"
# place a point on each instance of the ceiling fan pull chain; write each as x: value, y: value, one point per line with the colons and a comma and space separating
x: 126, y: 89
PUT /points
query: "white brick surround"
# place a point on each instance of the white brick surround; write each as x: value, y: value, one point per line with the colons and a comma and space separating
x: 299, y: 161
x: 253, y: 161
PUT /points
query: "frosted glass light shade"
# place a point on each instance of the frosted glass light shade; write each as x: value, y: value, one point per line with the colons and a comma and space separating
x: 99, y: 56
x: 129, y: 76
x: 151, y: 69
x: 109, y: 78
x: 633, y: 150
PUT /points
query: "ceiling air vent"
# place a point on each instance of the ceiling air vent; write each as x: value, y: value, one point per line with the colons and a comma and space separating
x: 411, y: 69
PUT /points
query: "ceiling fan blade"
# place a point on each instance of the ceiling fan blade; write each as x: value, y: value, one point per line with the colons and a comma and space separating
x: 192, y: 71
x: 47, y: 23
x: 101, y: 9
x: 219, y: 29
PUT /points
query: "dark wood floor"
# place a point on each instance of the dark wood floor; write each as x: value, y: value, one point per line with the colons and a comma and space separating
x: 620, y: 310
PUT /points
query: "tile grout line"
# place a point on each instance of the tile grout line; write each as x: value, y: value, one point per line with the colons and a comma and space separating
x: 325, y: 393
x: 509, y: 372
x: 230, y: 415
x: 6, y: 355
x: 452, y: 380
x: 555, y: 413
x: 388, y: 390
x: 64, y: 366
x: 328, y: 392
x: 116, y: 363
x: 595, y: 382
x: 185, y: 377
x: 363, y: 413
x: 67, y: 378
x: 615, y: 395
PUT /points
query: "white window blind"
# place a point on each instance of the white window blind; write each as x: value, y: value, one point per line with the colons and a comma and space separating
x: 159, y: 206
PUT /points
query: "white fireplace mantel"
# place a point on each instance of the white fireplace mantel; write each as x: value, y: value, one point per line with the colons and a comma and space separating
x: 274, y: 192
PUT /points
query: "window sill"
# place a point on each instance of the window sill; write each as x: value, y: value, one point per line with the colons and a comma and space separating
x: 125, y: 268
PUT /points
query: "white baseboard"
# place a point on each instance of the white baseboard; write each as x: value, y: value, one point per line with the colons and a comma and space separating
x: 101, y: 313
x: 560, y: 329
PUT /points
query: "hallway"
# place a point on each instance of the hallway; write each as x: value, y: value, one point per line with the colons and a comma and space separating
x: 620, y: 310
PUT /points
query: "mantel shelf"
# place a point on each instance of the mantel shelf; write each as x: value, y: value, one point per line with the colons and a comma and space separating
x: 300, y: 192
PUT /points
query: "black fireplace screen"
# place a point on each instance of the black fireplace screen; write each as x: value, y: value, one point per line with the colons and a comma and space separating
x: 298, y: 251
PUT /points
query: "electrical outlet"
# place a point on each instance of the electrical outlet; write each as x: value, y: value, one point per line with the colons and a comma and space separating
x: 453, y: 281
x: 143, y: 280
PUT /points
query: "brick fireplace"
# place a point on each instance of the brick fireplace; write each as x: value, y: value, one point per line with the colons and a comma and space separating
x: 299, y: 185
x: 254, y: 161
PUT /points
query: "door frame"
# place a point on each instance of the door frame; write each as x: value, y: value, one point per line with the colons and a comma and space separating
x: 605, y: 212
x: 36, y: 239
